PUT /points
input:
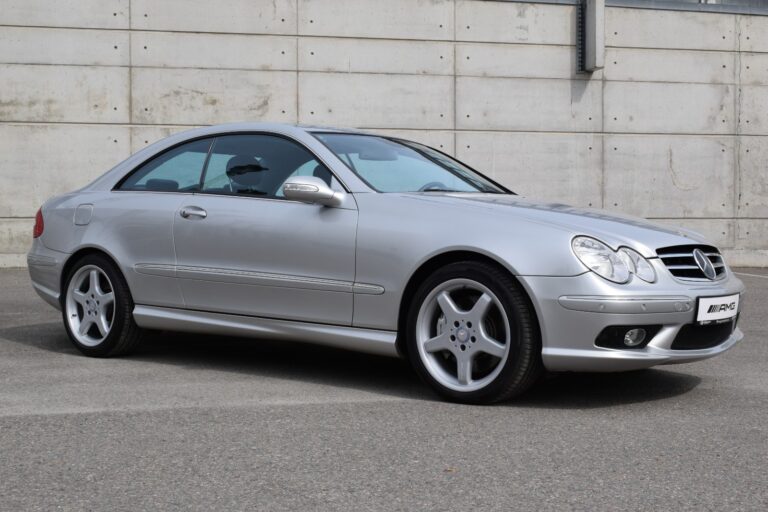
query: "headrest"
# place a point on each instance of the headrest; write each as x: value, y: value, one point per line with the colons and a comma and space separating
x: 245, y: 170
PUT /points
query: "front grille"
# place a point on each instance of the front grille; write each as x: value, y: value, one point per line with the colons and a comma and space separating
x: 680, y: 262
x: 694, y: 336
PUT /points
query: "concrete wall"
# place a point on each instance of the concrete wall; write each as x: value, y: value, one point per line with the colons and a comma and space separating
x: 674, y: 128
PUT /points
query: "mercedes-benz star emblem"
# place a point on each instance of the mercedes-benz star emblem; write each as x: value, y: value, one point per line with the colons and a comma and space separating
x: 704, y: 264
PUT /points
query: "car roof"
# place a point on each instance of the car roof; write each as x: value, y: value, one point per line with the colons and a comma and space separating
x: 267, y: 127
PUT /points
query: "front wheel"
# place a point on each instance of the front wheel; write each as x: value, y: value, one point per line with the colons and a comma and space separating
x: 98, y: 309
x: 472, y: 334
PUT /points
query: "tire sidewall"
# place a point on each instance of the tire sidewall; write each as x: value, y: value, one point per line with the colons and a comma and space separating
x: 524, y: 330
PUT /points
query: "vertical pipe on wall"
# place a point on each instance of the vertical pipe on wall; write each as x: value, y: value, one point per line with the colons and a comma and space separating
x: 592, y: 35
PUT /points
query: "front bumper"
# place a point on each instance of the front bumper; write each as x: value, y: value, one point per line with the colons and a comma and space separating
x: 574, y: 310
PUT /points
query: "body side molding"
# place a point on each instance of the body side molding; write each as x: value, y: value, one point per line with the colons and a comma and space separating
x: 222, y: 275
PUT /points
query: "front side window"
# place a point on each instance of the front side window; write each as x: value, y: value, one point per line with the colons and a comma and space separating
x: 177, y: 170
x: 258, y: 165
x: 390, y: 165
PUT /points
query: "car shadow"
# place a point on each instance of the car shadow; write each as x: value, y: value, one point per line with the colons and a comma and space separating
x: 266, y: 358
x: 383, y: 375
x: 594, y: 390
x: 286, y: 360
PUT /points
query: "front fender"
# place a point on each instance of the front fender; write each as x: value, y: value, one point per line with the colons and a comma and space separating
x: 397, y: 234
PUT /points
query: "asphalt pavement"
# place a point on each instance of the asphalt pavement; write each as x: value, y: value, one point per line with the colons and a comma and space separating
x: 211, y: 423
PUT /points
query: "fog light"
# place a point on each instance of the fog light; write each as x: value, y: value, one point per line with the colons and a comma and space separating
x: 626, y: 337
x: 634, y: 337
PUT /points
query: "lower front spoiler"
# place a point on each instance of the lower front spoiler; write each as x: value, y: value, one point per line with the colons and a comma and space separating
x: 598, y: 359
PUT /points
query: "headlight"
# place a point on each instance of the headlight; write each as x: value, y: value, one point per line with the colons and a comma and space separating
x: 617, y: 266
x: 637, y: 264
x: 600, y: 259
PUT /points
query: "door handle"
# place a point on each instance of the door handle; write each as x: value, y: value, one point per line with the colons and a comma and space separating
x: 193, y: 211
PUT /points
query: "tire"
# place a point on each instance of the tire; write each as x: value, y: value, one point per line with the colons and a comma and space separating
x: 99, y: 318
x: 487, y: 347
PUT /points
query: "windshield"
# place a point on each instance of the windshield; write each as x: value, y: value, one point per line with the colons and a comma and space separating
x: 393, y: 165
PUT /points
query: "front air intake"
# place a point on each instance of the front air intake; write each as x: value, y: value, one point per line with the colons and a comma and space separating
x: 697, y: 337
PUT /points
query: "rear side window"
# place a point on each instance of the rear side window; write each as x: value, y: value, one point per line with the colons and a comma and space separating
x: 177, y: 170
x: 258, y: 165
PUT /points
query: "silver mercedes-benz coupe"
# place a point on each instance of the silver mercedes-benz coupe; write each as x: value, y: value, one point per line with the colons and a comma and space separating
x: 376, y: 244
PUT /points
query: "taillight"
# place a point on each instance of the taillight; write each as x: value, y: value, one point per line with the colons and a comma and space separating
x: 39, y: 226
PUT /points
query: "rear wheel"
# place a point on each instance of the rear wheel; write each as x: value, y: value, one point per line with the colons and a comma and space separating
x: 98, y: 309
x: 472, y: 334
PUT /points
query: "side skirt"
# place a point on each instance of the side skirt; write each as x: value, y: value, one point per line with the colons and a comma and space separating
x: 351, y: 338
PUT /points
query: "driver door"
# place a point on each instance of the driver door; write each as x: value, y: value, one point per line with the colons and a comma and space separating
x: 243, y: 249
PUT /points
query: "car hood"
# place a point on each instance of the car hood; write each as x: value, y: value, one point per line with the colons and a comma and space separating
x: 612, y: 228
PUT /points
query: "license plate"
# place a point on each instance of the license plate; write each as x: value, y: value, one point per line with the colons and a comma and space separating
x: 717, y: 309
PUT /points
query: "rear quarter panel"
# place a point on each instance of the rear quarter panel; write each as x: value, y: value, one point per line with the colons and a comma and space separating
x: 131, y: 227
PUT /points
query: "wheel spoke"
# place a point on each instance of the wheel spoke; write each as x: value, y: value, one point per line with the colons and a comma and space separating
x: 107, y: 298
x: 93, y: 282
x: 85, y: 326
x: 490, y: 346
x: 102, y: 323
x: 464, y: 369
x: 450, y: 309
x: 79, y: 297
x: 439, y: 342
x: 479, y: 310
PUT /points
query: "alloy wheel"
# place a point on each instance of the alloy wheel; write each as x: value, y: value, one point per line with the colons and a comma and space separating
x: 463, y: 335
x: 90, y: 305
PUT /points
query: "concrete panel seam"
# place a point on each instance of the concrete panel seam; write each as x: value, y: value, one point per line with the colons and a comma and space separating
x: 602, y: 142
x: 709, y: 50
x: 737, y: 113
x: 286, y: 35
x: 469, y: 130
x: 455, y: 79
x: 130, y: 73
x: 297, y: 99
x: 386, y: 73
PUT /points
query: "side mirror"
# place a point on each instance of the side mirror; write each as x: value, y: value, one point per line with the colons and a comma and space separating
x: 309, y: 189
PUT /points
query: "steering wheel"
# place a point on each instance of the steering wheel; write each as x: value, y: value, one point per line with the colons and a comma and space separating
x: 432, y: 184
